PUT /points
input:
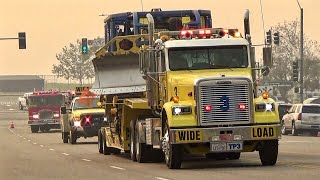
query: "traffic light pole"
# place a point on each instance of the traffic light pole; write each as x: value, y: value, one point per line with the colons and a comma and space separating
x: 301, y: 57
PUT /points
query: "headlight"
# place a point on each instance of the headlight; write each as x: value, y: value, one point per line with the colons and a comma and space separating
x: 56, y: 115
x: 77, y: 123
x: 177, y: 110
x: 264, y: 107
x: 35, y: 116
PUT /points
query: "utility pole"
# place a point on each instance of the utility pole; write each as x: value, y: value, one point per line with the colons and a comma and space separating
x: 301, y: 52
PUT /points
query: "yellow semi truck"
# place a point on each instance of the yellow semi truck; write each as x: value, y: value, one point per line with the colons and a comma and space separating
x: 198, y: 98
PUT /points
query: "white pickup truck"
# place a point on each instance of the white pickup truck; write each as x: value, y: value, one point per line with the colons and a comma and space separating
x: 22, y: 101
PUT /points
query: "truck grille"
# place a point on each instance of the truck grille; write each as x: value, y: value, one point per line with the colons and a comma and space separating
x: 45, y: 114
x: 94, y: 119
x: 224, y: 102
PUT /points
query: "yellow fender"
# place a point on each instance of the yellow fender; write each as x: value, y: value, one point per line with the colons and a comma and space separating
x: 179, y: 120
x: 266, y: 116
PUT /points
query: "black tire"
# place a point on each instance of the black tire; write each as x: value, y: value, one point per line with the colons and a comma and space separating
x: 106, y: 149
x: 234, y: 156
x: 175, y: 156
x: 141, y: 148
x: 34, y: 129
x: 174, y: 153
x: 20, y: 107
x: 65, y: 137
x: 269, y: 152
x: 132, y: 141
x: 100, y: 143
x: 294, y: 130
x: 116, y: 151
x: 72, y: 138
x: 284, y: 130
x: 314, y: 133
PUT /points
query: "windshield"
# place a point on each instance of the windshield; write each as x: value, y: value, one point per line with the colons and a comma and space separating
x: 208, y: 58
x: 311, y: 109
x: 39, y: 101
x: 86, y: 103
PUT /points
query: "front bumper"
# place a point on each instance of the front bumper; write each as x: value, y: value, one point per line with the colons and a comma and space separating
x: 44, y: 122
x: 304, y: 126
x: 86, y: 131
x: 217, y: 134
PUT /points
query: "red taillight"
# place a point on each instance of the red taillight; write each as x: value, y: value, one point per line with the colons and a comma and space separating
x: 242, y: 107
x: 204, y: 32
x: 208, y: 108
x: 87, y: 118
x: 186, y: 33
x: 299, y: 116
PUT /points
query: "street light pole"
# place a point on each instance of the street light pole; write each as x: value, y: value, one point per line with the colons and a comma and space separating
x: 301, y: 52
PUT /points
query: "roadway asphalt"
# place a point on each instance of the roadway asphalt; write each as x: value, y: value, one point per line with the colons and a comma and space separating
x: 24, y: 155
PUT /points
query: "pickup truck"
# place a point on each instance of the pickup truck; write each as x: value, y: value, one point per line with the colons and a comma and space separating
x: 82, y: 119
x: 23, y: 101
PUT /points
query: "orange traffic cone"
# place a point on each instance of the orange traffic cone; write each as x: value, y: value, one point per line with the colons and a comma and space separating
x: 11, y: 125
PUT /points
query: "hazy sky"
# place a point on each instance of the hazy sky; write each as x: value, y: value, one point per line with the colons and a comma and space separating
x: 52, y: 24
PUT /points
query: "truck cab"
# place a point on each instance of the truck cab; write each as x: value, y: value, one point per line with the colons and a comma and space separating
x: 82, y: 119
x: 44, y: 110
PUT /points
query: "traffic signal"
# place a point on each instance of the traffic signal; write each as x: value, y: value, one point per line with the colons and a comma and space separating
x: 22, y: 40
x: 84, y: 45
x: 269, y: 37
x: 276, y: 38
x: 295, y: 71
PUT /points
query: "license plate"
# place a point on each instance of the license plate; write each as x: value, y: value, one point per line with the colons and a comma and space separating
x: 263, y: 132
x: 226, y: 146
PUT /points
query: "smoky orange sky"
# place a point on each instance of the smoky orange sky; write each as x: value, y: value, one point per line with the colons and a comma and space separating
x: 52, y: 24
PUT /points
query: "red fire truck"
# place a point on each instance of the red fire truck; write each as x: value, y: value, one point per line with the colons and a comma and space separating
x: 44, y: 110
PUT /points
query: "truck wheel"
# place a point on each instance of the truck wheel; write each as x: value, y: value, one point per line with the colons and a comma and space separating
x: 65, y: 137
x: 269, y: 152
x: 72, y: 138
x: 20, y: 106
x: 34, y: 129
x: 106, y: 149
x: 294, y: 130
x: 100, y: 143
x: 234, y: 156
x: 284, y: 130
x: 173, y: 152
x: 141, y: 148
x: 314, y: 133
x: 132, y: 141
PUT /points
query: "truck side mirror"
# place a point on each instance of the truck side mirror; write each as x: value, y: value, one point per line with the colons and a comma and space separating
x: 63, y: 110
x: 267, y: 56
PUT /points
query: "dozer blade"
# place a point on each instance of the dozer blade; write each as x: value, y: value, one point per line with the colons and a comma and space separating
x: 116, y: 74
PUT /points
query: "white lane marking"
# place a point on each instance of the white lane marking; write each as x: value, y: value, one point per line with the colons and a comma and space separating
x: 116, y: 167
x: 29, y: 140
x: 88, y: 160
x: 11, y: 131
x: 11, y: 109
x: 8, y: 105
x: 34, y: 143
x: 24, y: 138
x: 42, y: 146
x: 51, y: 149
x: 161, y: 178
x: 65, y: 154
